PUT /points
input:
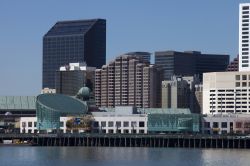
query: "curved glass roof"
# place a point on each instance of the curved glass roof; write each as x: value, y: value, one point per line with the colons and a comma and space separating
x: 62, y: 103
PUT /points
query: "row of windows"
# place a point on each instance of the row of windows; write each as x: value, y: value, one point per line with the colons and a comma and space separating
x: 118, y: 124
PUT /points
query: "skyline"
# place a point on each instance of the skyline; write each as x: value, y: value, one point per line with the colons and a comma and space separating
x: 135, y: 26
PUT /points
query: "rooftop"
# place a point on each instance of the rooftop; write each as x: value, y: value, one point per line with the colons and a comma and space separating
x: 62, y: 103
x: 17, y: 102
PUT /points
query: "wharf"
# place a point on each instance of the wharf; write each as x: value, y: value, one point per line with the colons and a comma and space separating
x: 133, y: 140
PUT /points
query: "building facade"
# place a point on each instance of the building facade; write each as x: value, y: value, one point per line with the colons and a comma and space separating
x: 146, y: 56
x: 180, y: 93
x: 225, y: 124
x: 189, y: 63
x: 244, y: 48
x: 226, y: 92
x: 234, y: 65
x: 128, y: 81
x: 72, y: 42
x: 69, y: 79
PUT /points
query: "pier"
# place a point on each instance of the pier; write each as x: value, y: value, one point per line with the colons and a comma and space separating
x: 133, y: 140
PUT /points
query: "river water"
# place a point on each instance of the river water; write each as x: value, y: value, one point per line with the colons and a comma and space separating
x: 117, y: 156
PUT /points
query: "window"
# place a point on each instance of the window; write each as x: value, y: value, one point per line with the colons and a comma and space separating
x: 215, y: 125
x: 244, y: 77
x: 103, y: 124
x: 244, y: 65
x: 245, y: 7
x: 29, y: 124
x: 223, y: 124
x: 237, y: 77
x: 110, y: 124
x: 244, y: 84
x: 23, y: 124
x: 95, y: 124
x: 35, y: 124
x: 237, y: 84
x: 133, y: 124
x: 141, y: 124
x: 118, y: 124
x: 126, y: 124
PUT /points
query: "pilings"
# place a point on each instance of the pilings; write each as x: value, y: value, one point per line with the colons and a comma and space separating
x: 132, y: 140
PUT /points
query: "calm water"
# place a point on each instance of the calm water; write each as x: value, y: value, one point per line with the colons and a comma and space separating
x: 102, y: 156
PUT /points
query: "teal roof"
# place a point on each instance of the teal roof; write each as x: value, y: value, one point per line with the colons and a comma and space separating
x: 164, y: 110
x: 62, y: 103
x: 17, y: 102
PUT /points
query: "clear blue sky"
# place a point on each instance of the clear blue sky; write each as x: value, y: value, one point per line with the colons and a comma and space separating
x: 134, y: 25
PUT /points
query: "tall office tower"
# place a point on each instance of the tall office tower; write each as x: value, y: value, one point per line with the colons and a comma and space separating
x: 146, y: 56
x: 189, y: 63
x: 69, y: 79
x: 71, y: 42
x: 244, y: 56
x: 128, y: 81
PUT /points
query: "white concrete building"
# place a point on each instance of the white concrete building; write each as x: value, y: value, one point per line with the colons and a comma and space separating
x: 225, y: 124
x: 226, y: 92
x: 109, y: 122
x: 244, y: 61
x: 120, y: 120
x: 29, y: 124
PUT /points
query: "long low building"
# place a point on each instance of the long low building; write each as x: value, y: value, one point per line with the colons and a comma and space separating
x: 124, y: 120
x: 226, y: 124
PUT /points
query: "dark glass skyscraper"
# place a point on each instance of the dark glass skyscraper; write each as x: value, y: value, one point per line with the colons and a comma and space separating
x: 71, y: 42
x: 189, y: 63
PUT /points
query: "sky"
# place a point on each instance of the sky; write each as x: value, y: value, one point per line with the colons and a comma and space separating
x: 132, y: 25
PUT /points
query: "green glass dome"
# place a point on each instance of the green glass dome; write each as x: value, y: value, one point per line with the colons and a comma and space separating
x: 84, y: 92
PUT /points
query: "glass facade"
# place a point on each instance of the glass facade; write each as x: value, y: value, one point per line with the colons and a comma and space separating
x: 50, y: 107
x: 158, y: 123
x: 70, y: 82
x: 189, y: 63
x: 71, y: 42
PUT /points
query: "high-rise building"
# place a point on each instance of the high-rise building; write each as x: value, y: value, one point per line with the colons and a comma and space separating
x: 69, y: 79
x: 72, y: 42
x: 189, y: 63
x: 128, y: 81
x: 179, y: 92
x: 226, y: 92
x: 146, y: 56
x: 244, y: 56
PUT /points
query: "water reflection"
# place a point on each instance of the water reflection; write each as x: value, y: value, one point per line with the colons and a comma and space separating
x: 105, y: 156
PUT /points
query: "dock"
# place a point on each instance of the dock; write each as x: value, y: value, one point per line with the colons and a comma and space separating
x: 133, y: 140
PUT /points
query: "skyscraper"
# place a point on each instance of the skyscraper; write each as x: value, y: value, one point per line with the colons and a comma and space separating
x: 244, y: 61
x: 72, y: 42
x: 69, y: 79
x: 189, y: 63
x: 128, y: 81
